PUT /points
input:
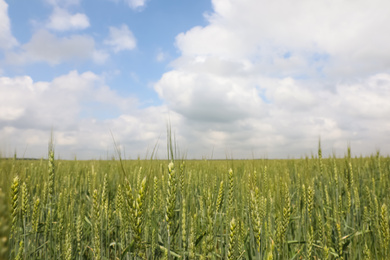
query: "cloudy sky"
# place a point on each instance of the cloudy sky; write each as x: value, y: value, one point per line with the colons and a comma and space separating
x: 233, y: 78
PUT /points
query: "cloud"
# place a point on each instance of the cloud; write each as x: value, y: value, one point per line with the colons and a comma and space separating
x: 348, y: 34
x: 64, y: 3
x: 366, y: 99
x: 47, y: 47
x: 62, y: 20
x: 32, y: 104
x: 62, y: 101
x: 136, y: 4
x: 74, y: 105
x: 100, y: 56
x: 83, y: 110
x: 135, y: 133
x: 275, y: 76
x: 204, y: 97
x: 7, y: 41
x: 121, y: 38
x: 161, y: 56
x: 263, y: 78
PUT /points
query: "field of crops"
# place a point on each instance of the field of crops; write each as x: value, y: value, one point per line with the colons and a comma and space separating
x: 309, y: 208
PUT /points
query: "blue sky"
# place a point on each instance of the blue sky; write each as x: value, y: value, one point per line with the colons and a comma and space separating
x: 154, y: 26
x: 232, y: 77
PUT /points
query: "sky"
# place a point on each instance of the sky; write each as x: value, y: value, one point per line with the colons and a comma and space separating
x: 232, y: 78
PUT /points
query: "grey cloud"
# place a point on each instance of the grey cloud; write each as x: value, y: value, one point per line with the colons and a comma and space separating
x: 46, y: 47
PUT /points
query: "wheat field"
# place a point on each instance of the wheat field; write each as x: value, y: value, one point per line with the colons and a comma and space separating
x: 309, y: 208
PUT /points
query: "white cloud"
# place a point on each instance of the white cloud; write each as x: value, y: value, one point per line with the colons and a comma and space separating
x: 46, y: 47
x: 30, y: 109
x: 161, y: 56
x: 121, y: 38
x: 62, y: 20
x: 210, y: 98
x: 35, y: 103
x: 262, y: 77
x: 64, y: 3
x: 100, y: 56
x: 348, y: 33
x: 7, y: 41
x: 59, y: 102
x: 366, y: 99
x: 73, y: 105
x: 136, y: 4
x: 275, y: 76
